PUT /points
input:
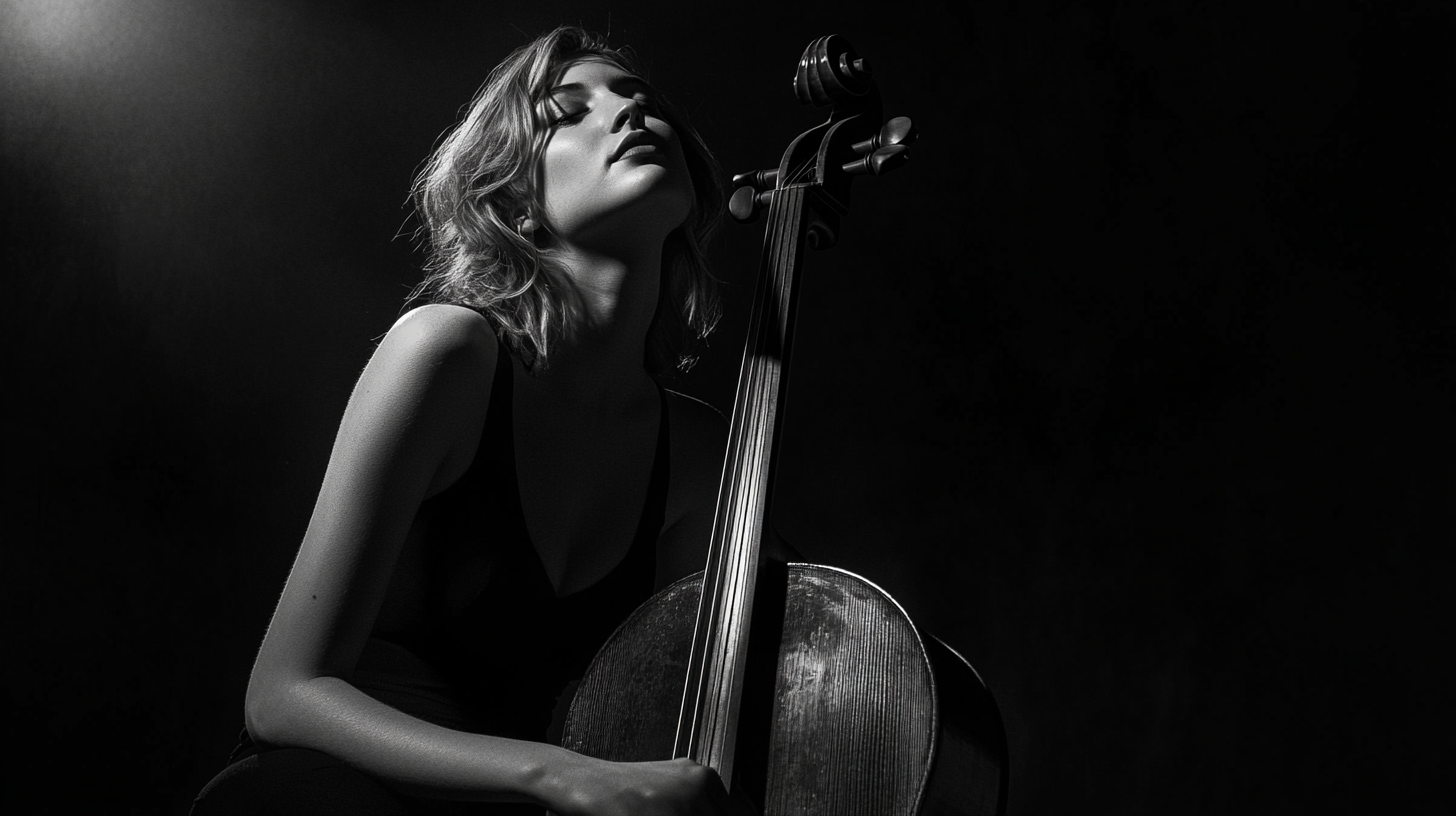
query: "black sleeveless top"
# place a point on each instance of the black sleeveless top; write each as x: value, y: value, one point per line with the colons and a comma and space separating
x: 494, y: 658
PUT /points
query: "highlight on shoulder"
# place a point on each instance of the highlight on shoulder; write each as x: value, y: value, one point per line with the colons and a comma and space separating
x: 441, y: 332
x: 447, y: 324
x: 428, y: 383
x: 447, y: 351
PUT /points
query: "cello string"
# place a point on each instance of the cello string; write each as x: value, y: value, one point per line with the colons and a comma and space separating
x: 752, y: 390
x: 746, y: 492
x: 771, y: 342
x: 748, y: 484
x: 731, y: 515
x: 706, y: 625
x: 757, y: 436
x: 767, y: 340
x: 798, y: 174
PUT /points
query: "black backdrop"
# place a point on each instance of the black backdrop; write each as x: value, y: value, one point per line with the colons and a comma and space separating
x: 1136, y: 385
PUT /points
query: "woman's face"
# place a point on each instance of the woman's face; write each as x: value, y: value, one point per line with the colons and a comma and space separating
x: 613, y: 169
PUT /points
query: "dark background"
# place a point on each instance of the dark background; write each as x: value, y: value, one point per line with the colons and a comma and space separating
x: 1136, y: 385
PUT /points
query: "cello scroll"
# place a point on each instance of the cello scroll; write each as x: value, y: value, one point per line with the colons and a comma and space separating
x: 827, y: 157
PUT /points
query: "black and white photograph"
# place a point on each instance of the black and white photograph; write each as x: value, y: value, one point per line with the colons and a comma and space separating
x: 985, y: 407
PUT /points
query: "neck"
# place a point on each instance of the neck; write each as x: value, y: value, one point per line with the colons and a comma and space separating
x: 601, y: 365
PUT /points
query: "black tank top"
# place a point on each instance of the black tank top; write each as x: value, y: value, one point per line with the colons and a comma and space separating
x: 496, y: 662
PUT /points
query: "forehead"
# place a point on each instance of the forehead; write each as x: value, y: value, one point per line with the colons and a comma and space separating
x: 593, y: 72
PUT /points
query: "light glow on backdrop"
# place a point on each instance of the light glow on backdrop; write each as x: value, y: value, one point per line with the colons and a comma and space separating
x: 54, y: 25
x: 169, y: 137
x: 48, y: 39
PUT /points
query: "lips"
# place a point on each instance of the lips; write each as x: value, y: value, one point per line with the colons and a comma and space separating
x: 638, y: 141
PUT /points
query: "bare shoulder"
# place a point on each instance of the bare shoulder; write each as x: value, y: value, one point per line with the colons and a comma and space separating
x: 434, y: 352
x: 441, y: 331
x: 425, y: 391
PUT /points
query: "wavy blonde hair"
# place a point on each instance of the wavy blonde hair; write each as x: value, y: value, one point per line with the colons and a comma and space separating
x: 484, y: 176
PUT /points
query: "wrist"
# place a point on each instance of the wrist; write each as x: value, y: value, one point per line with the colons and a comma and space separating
x: 553, y: 781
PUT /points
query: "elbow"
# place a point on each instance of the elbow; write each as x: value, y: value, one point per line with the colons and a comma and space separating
x: 266, y: 711
x: 258, y: 711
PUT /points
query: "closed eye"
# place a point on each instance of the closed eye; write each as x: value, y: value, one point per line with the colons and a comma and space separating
x: 567, y: 116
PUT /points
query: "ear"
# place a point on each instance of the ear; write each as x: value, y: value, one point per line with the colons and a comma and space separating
x: 525, y: 225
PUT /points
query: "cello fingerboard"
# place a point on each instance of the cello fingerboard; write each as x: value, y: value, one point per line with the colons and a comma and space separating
x: 708, y: 720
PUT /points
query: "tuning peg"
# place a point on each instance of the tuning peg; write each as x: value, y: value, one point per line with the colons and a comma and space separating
x: 767, y: 179
x: 897, y: 131
x: 854, y: 67
x: 745, y: 204
x: 877, y: 163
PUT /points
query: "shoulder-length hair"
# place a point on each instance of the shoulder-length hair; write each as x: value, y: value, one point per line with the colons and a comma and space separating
x: 484, y: 177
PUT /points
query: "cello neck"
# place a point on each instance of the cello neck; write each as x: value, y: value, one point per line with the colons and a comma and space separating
x: 708, y: 722
x: 806, y: 195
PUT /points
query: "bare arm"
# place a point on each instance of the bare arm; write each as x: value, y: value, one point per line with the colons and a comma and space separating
x: 405, y: 435
x: 409, y: 431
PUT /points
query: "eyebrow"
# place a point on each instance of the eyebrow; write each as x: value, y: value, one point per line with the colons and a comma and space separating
x: 576, y: 87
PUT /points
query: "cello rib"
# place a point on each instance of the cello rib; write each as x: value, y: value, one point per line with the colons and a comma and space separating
x: 972, y: 740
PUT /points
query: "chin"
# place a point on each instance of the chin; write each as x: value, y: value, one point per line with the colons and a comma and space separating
x: 667, y: 201
x: 651, y: 202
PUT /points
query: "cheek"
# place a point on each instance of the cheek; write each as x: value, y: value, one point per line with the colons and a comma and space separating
x: 561, y: 176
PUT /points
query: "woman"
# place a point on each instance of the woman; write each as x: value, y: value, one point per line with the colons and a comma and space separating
x: 508, y: 482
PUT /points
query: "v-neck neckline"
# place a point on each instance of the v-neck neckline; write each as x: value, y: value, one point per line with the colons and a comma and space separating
x: 654, y: 496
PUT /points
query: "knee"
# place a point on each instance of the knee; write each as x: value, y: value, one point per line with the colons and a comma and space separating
x: 294, y: 780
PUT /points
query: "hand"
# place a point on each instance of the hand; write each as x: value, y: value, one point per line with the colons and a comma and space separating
x: 675, y: 787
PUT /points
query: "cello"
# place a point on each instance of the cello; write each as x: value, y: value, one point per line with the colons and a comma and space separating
x: 806, y: 687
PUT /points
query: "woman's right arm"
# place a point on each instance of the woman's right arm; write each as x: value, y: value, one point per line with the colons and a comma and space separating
x: 410, y: 430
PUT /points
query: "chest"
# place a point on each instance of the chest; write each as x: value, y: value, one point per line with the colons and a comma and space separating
x: 551, y: 504
x: 584, y: 481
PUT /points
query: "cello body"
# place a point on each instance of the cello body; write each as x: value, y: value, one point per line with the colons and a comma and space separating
x: 853, y: 710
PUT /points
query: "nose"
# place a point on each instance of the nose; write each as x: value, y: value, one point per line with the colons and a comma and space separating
x: 630, y: 114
